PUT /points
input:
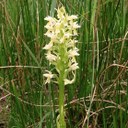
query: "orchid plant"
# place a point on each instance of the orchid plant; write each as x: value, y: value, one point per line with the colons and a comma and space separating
x: 61, y: 53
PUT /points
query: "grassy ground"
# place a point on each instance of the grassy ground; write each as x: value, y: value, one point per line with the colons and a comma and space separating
x: 98, y: 98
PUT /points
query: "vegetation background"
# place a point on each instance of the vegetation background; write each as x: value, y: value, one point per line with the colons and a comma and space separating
x: 98, y: 98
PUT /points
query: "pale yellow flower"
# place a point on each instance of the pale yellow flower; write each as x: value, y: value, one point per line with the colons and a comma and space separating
x: 72, y: 17
x: 48, y: 46
x: 49, y: 76
x: 48, y: 18
x: 67, y: 35
x: 50, y: 34
x: 51, y: 57
x: 62, y: 51
x: 67, y: 81
x: 74, y: 66
x: 73, y: 52
x: 75, y: 25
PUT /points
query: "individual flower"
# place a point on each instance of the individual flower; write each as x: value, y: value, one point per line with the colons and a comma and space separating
x: 50, y: 34
x: 67, y: 81
x: 75, y: 25
x: 73, y: 52
x: 51, y: 57
x: 74, y: 67
x: 49, y: 76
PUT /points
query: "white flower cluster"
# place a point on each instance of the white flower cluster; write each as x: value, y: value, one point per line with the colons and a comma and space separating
x: 62, y: 50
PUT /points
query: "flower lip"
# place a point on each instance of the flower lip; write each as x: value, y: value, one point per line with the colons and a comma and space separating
x: 49, y: 27
x: 48, y: 18
x: 51, y: 35
x: 75, y: 25
x: 48, y: 46
x: 67, y: 35
x: 74, y: 66
x: 72, y: 17
x: 67, y: 81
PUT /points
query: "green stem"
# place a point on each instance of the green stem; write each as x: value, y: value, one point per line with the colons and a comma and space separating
x: 61, y: 101
x: 61, y: 68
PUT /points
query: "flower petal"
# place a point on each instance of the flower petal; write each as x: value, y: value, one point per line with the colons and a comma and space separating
x: 72, y: 17
x: 67, y: 81
x: 48, y: 18
x: 48, y: 46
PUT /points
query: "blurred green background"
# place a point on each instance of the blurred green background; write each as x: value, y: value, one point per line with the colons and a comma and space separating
x: 98, y: 98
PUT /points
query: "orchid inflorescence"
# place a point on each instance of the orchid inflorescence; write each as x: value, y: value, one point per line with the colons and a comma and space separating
x: 62, y: 50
